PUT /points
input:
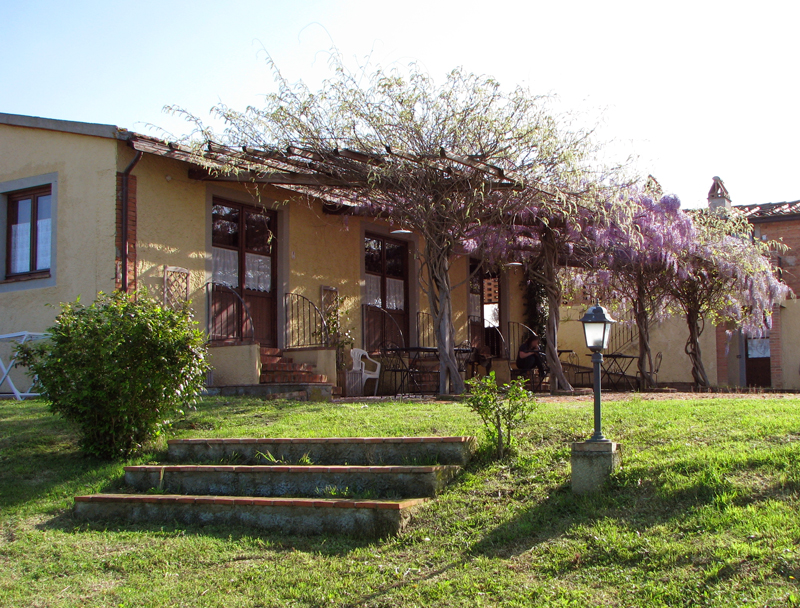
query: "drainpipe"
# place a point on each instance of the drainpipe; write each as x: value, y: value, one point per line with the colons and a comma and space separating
x: 124, y: 252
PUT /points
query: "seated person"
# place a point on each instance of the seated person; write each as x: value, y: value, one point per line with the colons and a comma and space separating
x: 530, y: 356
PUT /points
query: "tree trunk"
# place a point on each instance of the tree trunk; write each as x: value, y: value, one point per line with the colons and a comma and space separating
x: 553, y: 289
x: 645, y: 362
x: 439, y: 298
x: 500, y: 439
x: 694, y: 320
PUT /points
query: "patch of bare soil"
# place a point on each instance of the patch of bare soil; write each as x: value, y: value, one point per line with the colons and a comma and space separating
x: 661, y: 396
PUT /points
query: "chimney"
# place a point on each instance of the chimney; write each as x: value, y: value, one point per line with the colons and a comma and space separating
x: 718, y: 196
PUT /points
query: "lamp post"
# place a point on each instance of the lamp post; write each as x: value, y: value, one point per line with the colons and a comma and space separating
x: 596, y: 329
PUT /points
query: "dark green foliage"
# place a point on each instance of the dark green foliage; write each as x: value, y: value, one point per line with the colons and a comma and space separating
x: 120, y: 369
x: 536, y: 309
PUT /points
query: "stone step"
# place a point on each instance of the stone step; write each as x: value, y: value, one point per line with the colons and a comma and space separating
x: 361, y: 518
x: 284, y: 366
x: 266, y: 495
x: 292, y: 480
x: 360, y: 451
x: 291, y: 377
x: 270, y: 352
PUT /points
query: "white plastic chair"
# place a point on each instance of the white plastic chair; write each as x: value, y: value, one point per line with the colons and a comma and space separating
x: 358, y: 356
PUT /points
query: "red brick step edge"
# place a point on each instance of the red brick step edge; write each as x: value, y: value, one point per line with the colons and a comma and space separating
x: 393, y: 505
x: 294, y: 468
x: 234, y: 440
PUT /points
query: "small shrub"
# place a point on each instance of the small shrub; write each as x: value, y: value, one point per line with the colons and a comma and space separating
x: 119, y: 368
x: 501, y: 409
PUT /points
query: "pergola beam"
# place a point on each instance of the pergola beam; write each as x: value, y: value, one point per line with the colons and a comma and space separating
x: 276, y: 177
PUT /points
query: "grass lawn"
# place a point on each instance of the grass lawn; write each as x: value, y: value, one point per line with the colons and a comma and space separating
x: 704, y: 512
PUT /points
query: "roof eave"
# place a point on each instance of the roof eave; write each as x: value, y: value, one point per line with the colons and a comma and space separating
x: 64, y: 126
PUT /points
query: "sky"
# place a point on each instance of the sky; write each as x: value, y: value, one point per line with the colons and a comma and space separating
x: 692, y: 90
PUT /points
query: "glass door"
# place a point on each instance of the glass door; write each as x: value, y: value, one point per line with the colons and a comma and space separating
x: 244, y: 263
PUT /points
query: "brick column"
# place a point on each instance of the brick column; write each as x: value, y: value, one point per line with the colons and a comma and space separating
x: 131, y: 234
x: 776, y: 349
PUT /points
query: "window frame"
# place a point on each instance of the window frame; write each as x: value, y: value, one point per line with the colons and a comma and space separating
x: 37, y: 279
x: 241, y: 247
x: 384, y: 272
x: 32, y: 194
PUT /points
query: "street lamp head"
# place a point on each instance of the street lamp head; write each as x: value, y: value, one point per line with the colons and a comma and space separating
x: 596, y: 328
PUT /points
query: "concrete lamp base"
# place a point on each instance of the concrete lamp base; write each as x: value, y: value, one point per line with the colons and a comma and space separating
x: 592, y: 464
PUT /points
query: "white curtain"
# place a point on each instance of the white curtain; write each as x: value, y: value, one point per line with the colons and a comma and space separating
x: 21, y: 247
x: 757, y: 348
x: 395, y: 294
x: 258, y: 272
x: 225, y: 266
x: 43, y: 244
x: 373, y: 288
x: 43, y: 215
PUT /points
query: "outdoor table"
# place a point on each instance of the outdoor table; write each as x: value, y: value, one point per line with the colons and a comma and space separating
x: 19, y: 337
x: 415, y: 355
x: 617, y: 364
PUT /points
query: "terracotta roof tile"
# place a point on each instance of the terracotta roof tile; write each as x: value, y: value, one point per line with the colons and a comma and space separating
x: 769, y: 209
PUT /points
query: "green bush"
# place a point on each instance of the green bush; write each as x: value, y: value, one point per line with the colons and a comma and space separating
x: 119, y: 368
x: 501, y: 409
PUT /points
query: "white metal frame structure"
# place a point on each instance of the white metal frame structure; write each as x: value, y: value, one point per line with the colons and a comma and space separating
x: 19, y: 337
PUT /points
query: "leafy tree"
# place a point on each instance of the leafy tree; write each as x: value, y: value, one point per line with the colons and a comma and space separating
x: 548, y: 239
x: 120, y: 368
x: 660, y: 260
x: 555, y: 235
x: 724, y: 276
x: 441, y: 159
x: 640, y: 253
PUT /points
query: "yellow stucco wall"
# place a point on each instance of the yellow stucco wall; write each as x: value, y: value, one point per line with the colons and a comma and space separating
x: 170, y: 226
x: 326, y: 250
x: 85, y: 222
x: 323, y: 360
x: 459, y: 273
x: 516, y: 302
x: 173, y: 229
x: 790, y: 339
x: 235, y: 365
x: 668, y: 337
x: 173, y: 222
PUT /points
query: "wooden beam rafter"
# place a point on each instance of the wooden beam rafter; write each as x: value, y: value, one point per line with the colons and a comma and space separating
x: 256, y: 177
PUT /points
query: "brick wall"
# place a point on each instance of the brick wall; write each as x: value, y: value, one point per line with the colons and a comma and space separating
x: 789, y: 232
x: 776, y: 349
x: 131, y: 233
